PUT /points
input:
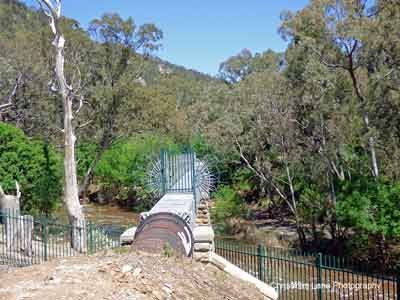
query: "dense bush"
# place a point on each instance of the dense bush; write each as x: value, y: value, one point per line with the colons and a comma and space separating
x: 371, y: 209
x: 122, y: 171
x: 36, y: 167
x: 228, y: 204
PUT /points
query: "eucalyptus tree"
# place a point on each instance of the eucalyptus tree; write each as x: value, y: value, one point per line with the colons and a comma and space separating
x: 119, y: 53
x: 69, y: 95
x: 241, y: 65
x: 356, y: 42
x: 8, y: 102
x: 351, y: 37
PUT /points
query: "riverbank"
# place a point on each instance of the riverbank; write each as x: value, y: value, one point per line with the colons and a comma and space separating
x: 132, y: 275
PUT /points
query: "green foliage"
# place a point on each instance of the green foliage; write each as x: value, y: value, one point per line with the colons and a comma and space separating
x: 122, y: 169
x: 285, y: 133
x: 370, y: 207
x: 35, y: 165
x: 228, y: 204
x: 168, y: 251
x: 313, y: 204
x: 85, y: 154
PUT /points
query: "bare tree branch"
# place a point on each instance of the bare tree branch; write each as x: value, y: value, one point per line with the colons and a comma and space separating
x: 10, y: 97
x: 324, y: 62
x: 259, y: 174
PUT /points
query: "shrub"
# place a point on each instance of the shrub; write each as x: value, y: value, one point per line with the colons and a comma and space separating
x: 122, y: 169
x: 370, y: 206
x: 35, y: 165
x: 228, y: 204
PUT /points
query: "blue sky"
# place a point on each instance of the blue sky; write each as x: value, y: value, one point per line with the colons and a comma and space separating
x: 197, y: 34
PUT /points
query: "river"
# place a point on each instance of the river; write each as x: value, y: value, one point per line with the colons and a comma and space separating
x: 116, y: 218
x: 111, y: 215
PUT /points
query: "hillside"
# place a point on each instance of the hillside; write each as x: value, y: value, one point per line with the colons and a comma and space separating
x: 123, y: 277
x: 308, y: 137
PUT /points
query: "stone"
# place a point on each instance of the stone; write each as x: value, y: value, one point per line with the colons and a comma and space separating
x: 55, y: 280
x: 158, y: 295
x: 167, y: 288
x: 137, y: 272
x: 126, y: 268
x: 203, y: 233
x: 168, y: 285
x: 203, y: 257
x: 203, y: 247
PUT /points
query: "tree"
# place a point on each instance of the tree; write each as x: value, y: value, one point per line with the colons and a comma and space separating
x: 118, y: 65
x: 238, y: 67
x: 35, y: 165
x: 8, y: 102
x: 340, y: 35
x: 353, y: 40
x: 68, y: 95
x: 273, y: 141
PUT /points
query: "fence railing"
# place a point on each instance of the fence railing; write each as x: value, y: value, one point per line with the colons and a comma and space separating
x: 301, y: 275
x: 177, y: 171
x: 25, y: 240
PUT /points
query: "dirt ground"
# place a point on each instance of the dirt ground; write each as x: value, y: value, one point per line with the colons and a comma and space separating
x: 128, y: 276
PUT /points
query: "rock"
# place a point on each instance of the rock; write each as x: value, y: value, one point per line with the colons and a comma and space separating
x: 203, y: 247
x: 167, y: 288
x: 203, y: 233
x: 201, y: 256
x: 137, y: 272
x: 159, y: 295
x: 55, y: 280
x: 126, y: 269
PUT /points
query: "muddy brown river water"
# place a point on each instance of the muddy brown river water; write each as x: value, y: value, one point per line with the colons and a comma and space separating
x: 110, y: 215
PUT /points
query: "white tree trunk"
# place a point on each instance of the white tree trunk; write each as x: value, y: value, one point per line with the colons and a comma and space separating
x: 371, y: 145
x: 71, y: 193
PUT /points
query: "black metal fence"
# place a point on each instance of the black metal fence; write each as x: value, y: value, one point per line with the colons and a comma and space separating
x: 302, y: 275
x: 25, y: 240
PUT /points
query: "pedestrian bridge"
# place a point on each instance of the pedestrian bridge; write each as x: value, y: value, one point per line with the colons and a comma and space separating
x: 180, y: 219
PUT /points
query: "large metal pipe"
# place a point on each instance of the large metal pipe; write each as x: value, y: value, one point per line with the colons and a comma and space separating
x: 171, y: 220
x: 164, y: 231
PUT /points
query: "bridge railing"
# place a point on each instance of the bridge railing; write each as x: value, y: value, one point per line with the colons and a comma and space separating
x: 177, y: 172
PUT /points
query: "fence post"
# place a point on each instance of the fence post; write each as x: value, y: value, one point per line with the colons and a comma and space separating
x: 163, y: 173
x: 269, y: 254
x: 261, y: 262
x: 193, y: 179
x: 90, y: 239
x: 320, y: 278
x: 398, y: 281
x: 44, y: 224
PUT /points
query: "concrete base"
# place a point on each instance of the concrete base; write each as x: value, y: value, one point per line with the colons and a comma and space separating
x: 203, y: 233
x: 128, y: 236
x: 231, y: 269
x: 203, y: 247
x: 203, y: 242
